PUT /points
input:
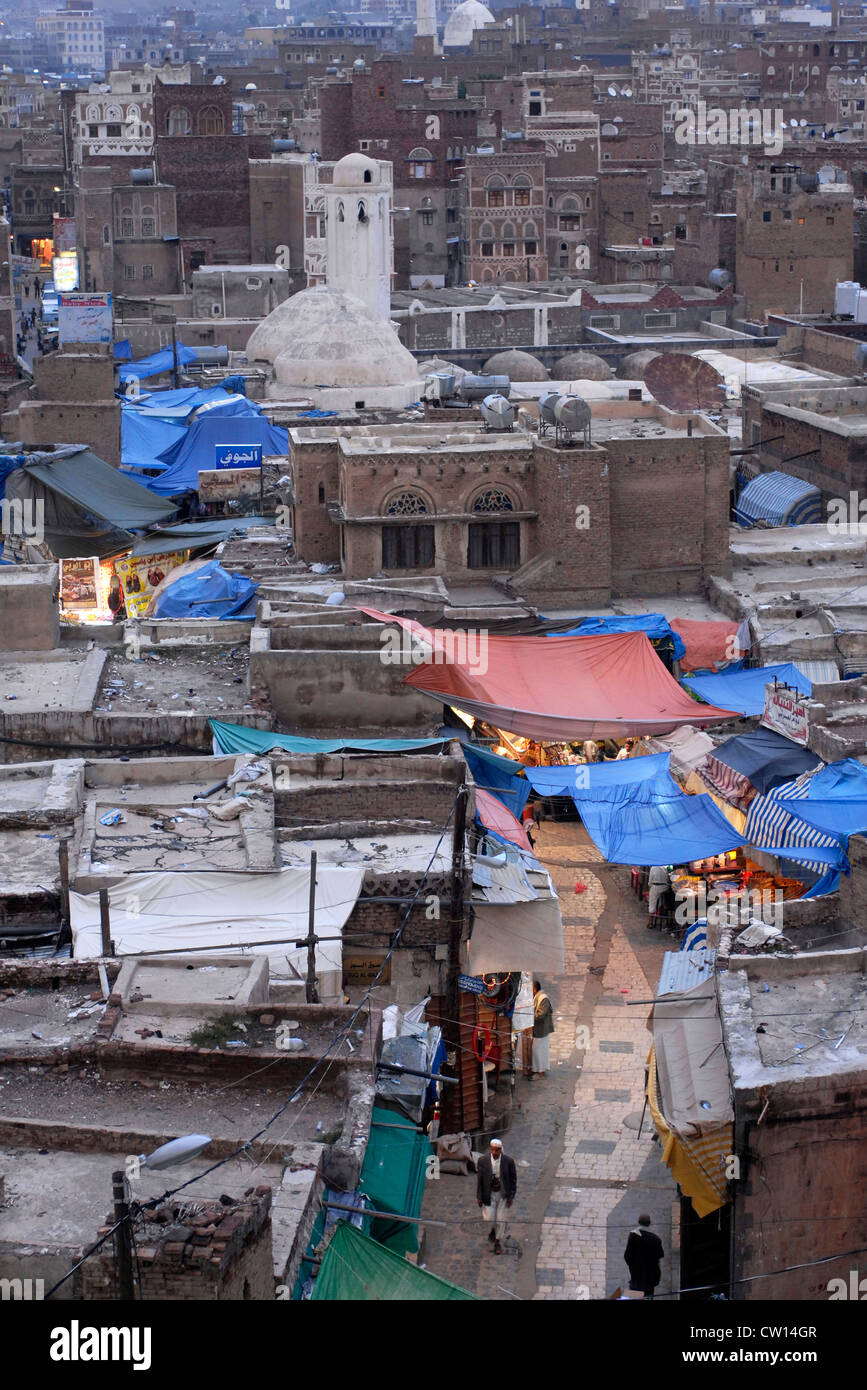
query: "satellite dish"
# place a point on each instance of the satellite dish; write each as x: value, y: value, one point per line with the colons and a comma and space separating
x: 627, y: 92
x: 793, y: 124
x: 618, y: 120
x: 802, y: 122
x: 612, y: 91
x: 684, y: 383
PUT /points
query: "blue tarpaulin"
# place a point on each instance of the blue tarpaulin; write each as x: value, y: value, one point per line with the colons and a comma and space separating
x: 775, y: 819
x: 143, y: 438
x: 656, y: 626
x: 836, y: 800
x: 122, y: 350
x: 236, y: 738
x: 765, y: 758
x: 235, y: 383
x: 158, y: 362
x: 230, y: 405
x: 175, y: 403
x: 499, y: 776
x: 625, y: 779
x: 196, y: 449
x: 744, y: 690
x: 210, y: 592
x: 8, y: 464
x: 779, y: 500
x: 671, y: 831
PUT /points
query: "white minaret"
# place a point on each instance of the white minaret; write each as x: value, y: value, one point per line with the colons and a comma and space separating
x: 359, y: 247
x: 426, y: 19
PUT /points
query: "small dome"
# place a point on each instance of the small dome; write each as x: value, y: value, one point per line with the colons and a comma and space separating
x: 517, y: 366
x: 354, y: 171
x: 635, y: 364
x: 463, y: 22
x: 325, y: 337
x: 582, y: 366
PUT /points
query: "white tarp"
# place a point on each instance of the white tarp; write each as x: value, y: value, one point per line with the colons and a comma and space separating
x: 520, y: 936
x: 175, y: 911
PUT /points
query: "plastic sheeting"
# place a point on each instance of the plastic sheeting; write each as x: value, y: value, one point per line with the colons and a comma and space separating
x: 211, y: 592
x: 495, y: 816
x: 676, y: 830
x: 196, y: 449
x: 709, y: 645
x: 775, y: 819
x: 779, y: 500
x: 91, y: 484
x: 744, y: 690
x: 143, y: 438
x: 629, y: 779
x: 195, y: 535
x: 836, y: 798
x: 122, y: 350
x: 763, y: 757
x: 393, y: 1177
x: 236, y: 738
x: 500, y: 776
x: 517, y: 936
x: 356, y: 1268
x: 164, y: 912
x: 656, y: 626
x: 157, y: 362
x: 565, y: 688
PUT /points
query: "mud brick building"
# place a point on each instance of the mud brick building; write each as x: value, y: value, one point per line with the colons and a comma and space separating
x: 208, y: 165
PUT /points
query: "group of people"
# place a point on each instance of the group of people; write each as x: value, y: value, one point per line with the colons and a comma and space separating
x: 29, y: 321
x: 496, y: 1189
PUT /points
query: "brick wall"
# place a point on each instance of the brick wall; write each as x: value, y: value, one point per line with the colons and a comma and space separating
x: 193, y: 1251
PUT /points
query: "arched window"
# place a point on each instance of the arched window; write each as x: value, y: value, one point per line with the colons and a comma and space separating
x: 419, y: 163
x: 523, y: 191
x: 508, y: 232
x: 406, y: 504
x: 529, y: 229
x: 362, y: 212
x: 148, y: 222
x: 495, y: 181
x: 569, y: 204
x: 493, y: 499
x: 211, y: 121
x: 340, y: 216
x: 127, y: 223
x: 486, y: 231
x: 178, y: 121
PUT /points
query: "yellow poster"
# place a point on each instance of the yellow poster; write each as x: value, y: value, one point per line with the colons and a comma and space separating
x: 140, y: 575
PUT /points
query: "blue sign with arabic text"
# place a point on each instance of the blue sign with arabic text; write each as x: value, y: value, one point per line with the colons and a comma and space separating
x: 238, y: 455
x: 471, y: 984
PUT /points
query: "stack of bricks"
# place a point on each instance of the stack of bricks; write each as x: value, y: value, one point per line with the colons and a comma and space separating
x: 204, y: 1250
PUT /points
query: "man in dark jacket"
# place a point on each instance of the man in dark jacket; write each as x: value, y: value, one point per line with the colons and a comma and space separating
x: 496, y: 1185
x: 642, y: 1255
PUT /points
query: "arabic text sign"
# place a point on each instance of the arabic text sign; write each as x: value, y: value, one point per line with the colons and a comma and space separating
x: 79, y: 583
x: 140, y: 575
x: 786, y: 712
x: 224, y: 484
x: 471, y: 984
x: 85, y: 318
x: 238, y: 456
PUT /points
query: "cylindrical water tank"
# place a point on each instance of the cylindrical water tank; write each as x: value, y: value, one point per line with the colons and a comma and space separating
x: 475, y: 388
x: 546, y: 407
x: 141, y: 176
x: 213, y: 356
x: 861, y: 357
x: 846, y: 296
x: 498, y: 413
x: 861, y: 307
x: 719, y: 279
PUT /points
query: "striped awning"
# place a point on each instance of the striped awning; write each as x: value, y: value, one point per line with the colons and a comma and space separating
x: 779, y: 500
x: 730, y: 784
x: 773, y: 820
x: 698, y: 1165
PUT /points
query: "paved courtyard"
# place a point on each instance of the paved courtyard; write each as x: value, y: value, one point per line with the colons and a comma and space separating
x: 584, y: 1174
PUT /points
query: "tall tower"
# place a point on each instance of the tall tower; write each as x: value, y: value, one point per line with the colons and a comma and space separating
x: 359, y: 248
x: 426, y: 19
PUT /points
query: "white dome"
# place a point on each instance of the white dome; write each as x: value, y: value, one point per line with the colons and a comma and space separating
x: 464, y: 21
x: 354, y: 171
x: 325, y: 337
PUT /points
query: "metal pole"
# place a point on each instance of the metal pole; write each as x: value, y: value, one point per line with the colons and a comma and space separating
x: 312, y: 996
x: 175, y: 355
x: 105, y: 923
x: 452, y: 1028
x: 122, y: 1238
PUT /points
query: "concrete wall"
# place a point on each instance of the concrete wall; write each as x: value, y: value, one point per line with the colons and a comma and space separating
x: 29, y: 618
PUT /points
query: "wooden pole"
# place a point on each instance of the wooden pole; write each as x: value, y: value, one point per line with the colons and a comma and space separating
x: 105, y: 923
x: 451, y: 1025
x: 122, y: 1238
x: 63, y: 851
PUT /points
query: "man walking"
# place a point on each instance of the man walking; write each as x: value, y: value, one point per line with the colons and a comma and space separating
x: 496, y: 1185
x: 643, y: 1255
x: 543, y: 1027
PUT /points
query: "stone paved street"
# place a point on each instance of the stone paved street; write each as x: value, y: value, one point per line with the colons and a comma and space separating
x: 584, y: 1175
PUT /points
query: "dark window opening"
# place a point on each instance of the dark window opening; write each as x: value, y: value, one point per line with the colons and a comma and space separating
x: 407, y: 547
x: 494, y: 545
x: 535, y: 108
x: 321, y: 492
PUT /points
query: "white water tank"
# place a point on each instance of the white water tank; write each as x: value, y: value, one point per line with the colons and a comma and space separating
x: 846, y: 296
x: 861, y: 307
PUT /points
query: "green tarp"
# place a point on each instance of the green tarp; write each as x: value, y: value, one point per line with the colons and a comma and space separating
x: 393, y: 1175
x: 235, y: 738
x: 98, y: 489
x: 356, y: 1267
x: 194, y: 535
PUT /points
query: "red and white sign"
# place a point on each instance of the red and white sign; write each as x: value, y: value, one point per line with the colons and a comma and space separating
x: 786, y: 712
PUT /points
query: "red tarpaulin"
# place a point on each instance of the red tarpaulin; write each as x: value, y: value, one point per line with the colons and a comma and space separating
x: 708, y: 645
x: 566, y: 688
x: 493, y: 814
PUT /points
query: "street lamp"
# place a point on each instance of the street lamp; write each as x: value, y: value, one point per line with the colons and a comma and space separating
x: 182, y: 1150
